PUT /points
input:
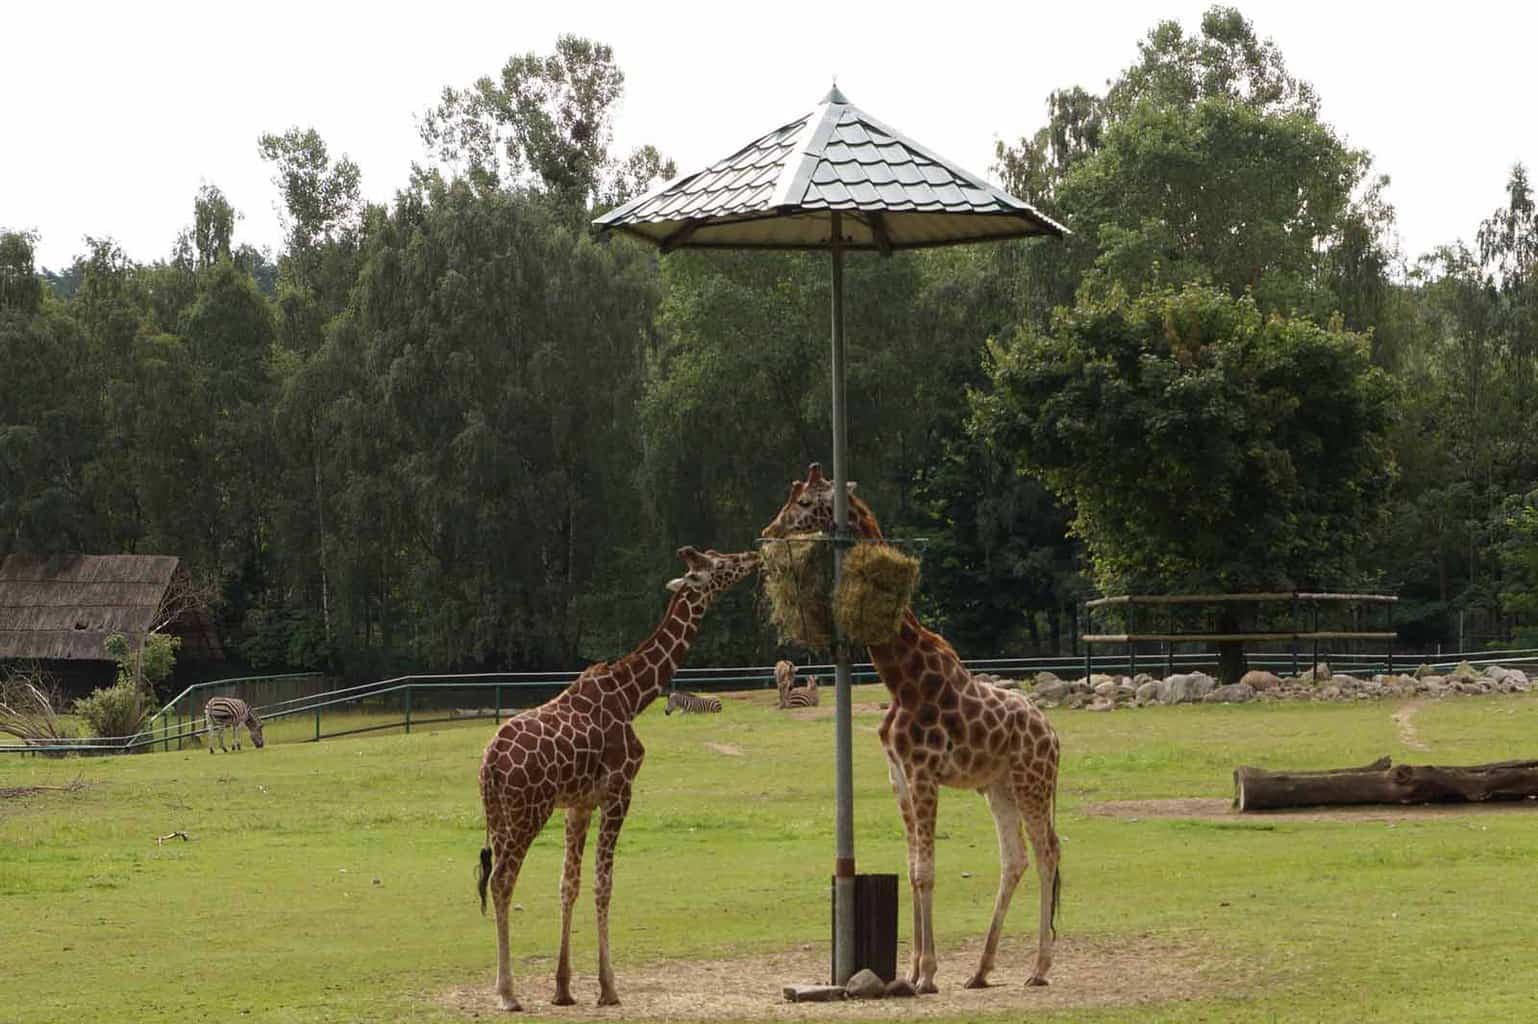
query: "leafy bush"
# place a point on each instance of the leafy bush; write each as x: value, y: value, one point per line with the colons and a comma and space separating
x: 116, y: 710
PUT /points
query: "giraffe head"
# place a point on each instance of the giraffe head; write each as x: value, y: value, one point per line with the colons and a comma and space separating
x: 711, y: 573
x: 809, y: 509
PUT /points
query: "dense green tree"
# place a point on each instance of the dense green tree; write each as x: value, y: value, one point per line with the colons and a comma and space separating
x: 1202, y: 444
x: 1206, y: 160
x: 48, y: 422
x: 545, y: 122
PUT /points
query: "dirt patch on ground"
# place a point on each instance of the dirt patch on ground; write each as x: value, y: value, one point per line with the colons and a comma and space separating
x: 1407, y: 734
x: 15, y: 792
x: 725, y: 749
x: 1221, y: 809
x: 1132, y: 971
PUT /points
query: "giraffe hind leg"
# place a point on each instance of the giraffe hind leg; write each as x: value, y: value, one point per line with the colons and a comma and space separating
x: 1043, y: 834
x: 509, y: 849
x: 1012, y: 864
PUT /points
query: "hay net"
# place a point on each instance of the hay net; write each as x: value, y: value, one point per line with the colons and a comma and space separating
x: 877, y: 585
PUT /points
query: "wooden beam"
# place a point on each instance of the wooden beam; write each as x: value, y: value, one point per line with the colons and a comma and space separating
x: 1214, y: 638
x: 1103, y: 602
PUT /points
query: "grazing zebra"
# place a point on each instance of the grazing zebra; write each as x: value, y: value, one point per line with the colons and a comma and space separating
x: 802, y: 696
x: 231, y: 713
x: 691, y: 704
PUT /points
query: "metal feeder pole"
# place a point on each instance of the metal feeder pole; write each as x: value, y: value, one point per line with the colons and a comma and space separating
x: 843, y: 785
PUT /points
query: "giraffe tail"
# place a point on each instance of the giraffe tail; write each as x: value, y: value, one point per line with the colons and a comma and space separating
x: 1057, y: 873
x: 483, y: 876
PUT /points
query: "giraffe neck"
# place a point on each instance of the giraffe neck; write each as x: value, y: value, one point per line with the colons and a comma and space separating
x: 652, y: 664
x: 915, y: 649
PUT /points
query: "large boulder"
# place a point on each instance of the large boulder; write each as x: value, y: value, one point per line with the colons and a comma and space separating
x: 1183, y: 688
x: 1147, y: 692
x: 1260, y: 680
x: 1233, y: 693
x: 1509, y: 680
x: 1051, y: 689
x: 1106, y: 687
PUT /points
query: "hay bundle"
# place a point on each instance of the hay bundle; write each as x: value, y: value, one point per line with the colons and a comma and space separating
x: 798, y: 580
x: 877, y: 584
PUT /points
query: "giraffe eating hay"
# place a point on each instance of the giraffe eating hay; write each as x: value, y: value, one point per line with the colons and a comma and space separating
x: 945, y: 728
x: 579, y: 751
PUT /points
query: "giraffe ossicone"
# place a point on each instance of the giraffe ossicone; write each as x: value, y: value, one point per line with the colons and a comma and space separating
x: 580, y: 751
x: 945, y: 728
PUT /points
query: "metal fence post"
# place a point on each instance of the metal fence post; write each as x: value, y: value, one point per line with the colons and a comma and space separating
x: 317, y: 723
x: 499, y: 703
x: 408, y: 710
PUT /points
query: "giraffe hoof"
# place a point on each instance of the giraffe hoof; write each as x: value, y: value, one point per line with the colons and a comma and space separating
x: 563, y: 999
x: 927, y: 988
x: 511, y: 1005
x: 977, y: 981
x: 1037, y: 981
x: 608, y: 999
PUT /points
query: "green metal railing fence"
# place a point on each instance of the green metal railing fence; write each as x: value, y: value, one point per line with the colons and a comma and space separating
x: 413, y: 701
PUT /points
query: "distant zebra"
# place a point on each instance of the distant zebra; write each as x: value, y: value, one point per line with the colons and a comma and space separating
x: 691, y: 704
x: 802, y: 696
x: 231, y: 713
x: 784, y: 679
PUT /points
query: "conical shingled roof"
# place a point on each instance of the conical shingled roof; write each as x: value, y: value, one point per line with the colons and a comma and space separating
x: 778, y: 190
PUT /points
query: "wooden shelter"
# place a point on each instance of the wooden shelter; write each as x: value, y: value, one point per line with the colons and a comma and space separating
x: 59, y: 611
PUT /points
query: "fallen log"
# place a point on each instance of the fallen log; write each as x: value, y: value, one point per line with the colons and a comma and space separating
x: 1256, y: 789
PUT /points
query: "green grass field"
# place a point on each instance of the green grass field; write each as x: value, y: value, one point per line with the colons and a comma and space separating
x: 333, y: 881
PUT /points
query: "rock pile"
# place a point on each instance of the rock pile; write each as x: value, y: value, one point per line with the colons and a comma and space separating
x: 1319, y: 683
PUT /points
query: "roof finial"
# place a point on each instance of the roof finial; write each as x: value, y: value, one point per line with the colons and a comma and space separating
x: 834, y: 96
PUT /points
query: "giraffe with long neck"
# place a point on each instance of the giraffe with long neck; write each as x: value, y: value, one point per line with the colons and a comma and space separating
x: 580, y: 751
x: 944, y: 728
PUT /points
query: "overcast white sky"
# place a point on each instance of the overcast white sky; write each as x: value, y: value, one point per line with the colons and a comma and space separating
x: 116, y: 113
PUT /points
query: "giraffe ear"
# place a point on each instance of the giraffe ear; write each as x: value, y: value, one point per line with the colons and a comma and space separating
x: 675, y: 585
x: 850, y: 486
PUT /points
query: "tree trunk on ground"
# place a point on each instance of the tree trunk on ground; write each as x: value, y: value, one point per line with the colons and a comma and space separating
x: 1232, y: 661
x: 1256, y: 789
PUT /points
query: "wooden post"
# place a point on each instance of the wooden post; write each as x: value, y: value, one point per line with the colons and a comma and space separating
x: 875, y: 939
x: 1132, y: 644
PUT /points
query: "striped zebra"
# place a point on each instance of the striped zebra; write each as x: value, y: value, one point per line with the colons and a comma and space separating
x: 802, y: 696
x: 691, y: 704
x: 231, y: 713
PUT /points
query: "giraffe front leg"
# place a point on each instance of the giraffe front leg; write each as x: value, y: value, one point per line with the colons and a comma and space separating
x: 603, y: 887
x: 1012, y: 863
x: 577, y: 819
x: 905, y: 808
x: 925, y: 806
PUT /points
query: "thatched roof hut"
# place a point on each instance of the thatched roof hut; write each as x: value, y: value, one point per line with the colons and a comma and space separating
x: 59, y: 610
